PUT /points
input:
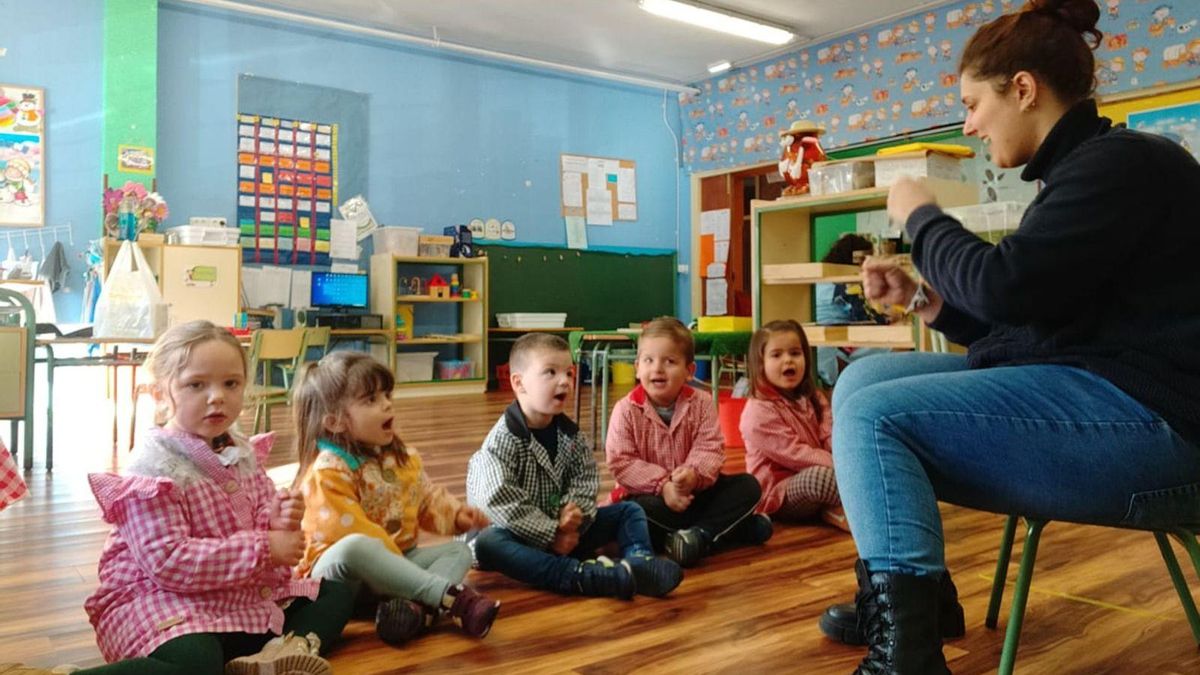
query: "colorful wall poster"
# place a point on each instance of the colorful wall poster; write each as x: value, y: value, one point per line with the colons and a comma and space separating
x: 286, y: 188
x: 1180, y: 123
x: 135, y: 159
x: 22, y: 156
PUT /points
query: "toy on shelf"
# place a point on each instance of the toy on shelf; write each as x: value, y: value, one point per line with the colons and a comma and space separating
x: 801, y: 147
x: 404, y: 322
x: 455, y: 288
x: 438, y: 288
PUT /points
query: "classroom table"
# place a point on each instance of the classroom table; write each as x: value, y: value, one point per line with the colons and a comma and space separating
x: 129, y: 352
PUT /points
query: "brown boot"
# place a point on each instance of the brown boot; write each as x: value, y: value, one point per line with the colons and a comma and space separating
x: 474, y: 611
x: 289, y: 653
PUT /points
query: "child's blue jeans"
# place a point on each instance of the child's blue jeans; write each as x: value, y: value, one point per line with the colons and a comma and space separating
x: 1044, y: 441
x: 503, y: 551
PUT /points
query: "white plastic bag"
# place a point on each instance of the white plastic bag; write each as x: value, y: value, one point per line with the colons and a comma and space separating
x: 130, y: 304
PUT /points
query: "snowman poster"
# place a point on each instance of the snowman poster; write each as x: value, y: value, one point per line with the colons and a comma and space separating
x: 22, y: 157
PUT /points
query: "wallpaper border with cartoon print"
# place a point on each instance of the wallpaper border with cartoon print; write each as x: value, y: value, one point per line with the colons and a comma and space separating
x: 901, y: 77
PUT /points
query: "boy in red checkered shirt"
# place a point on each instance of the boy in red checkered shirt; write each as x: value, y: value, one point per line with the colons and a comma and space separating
x: 664, y: 448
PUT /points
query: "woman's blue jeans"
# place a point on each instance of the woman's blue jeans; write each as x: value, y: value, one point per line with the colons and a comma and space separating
x: 1043, y: 441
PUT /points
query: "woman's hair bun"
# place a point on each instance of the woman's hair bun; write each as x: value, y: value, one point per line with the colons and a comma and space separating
x: 1082, y: 15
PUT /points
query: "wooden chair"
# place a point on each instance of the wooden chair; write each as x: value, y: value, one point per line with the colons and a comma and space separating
x: 1033, y: 532
x: 17, y: 341
x: 314, y: 338
x: 266, y: 348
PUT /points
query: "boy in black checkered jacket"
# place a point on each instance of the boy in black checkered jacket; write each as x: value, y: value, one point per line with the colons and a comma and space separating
x: 536, y: 479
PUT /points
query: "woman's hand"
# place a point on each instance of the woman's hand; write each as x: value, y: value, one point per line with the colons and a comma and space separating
x: 907, y: 195
x: 886, y: 283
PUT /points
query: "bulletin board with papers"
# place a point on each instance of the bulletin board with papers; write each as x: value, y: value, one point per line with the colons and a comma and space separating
x: 598, y: 189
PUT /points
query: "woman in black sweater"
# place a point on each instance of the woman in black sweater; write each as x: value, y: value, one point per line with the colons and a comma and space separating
x: 1079, y: 397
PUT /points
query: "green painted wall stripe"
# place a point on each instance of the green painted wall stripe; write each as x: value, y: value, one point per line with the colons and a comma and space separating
x: 130, y: 84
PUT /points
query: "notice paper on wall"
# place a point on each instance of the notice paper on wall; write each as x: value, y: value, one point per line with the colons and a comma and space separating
x: 599, y: 207
x: 343, y: 239
x: 626, y: 185
x: 576, y: 232
x: 715, y: 293
x: 572, y: 189
x: 343, y: 268
x: 715, y: 223
x: 301, y: 289
x: 721, y: 251
x: 626, y: 211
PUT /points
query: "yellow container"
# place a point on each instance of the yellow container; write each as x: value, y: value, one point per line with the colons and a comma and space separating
x: 724, y: 324
x: 623, y: 373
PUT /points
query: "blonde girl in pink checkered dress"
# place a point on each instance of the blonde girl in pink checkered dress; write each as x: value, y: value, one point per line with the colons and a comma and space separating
x: 196, y: 575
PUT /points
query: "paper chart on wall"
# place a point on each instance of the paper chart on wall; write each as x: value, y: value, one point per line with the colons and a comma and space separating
x: 22, y: 155
x: 572, y: 189
x: 715, y: 223
x: 576, y: 232
x: 301, y: 289
x: 286, y: 189
x: 715, y: 294
x: 626, y: 211
x: 343, y: 239
x: 626, y: 185
x: 721, y: 251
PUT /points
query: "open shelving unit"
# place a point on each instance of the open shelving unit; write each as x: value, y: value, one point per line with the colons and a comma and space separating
x: 784, y: 271
x: 467, y: 340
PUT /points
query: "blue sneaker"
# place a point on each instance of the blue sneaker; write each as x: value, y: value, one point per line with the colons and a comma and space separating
x: 605, y: 579
x: 655, y: 577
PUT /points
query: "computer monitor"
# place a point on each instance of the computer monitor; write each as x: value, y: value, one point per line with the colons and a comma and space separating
x: 338, y: 289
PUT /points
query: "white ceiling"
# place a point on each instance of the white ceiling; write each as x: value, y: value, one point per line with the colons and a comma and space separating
x: 609, y: 35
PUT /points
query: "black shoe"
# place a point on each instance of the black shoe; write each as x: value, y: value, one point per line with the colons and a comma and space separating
x: 604, y: 578
x: 899, y: 614
x: 655, y: 577
x: 399, y: 620
x: 840, y: 622
x: 755, y: 529
x: 686, y: 547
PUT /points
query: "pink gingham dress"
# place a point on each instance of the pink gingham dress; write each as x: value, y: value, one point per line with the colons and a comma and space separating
x: 12, y: 487
x: 189, y: 550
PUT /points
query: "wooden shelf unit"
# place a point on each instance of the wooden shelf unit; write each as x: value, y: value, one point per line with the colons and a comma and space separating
x: 783, y: 267
x: 470, y: 340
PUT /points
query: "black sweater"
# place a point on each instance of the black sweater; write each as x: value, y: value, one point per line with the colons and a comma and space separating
x: 1102, y: 274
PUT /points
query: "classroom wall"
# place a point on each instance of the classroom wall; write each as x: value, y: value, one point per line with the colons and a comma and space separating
x: 451, y: 138
x: 57, y: 45
x: 901, y: 76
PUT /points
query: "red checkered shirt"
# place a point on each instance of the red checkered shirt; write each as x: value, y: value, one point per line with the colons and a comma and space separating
x: 12, y: 487
x: 642, y: 450
x: 782, y: 438
x: 189, y: 552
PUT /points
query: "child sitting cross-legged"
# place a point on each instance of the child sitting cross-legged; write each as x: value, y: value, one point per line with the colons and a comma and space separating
x: 788, y: 428
x: 196, y: 576
x: 366, y: 497
x: 665, y: 450
x: 536, y: 478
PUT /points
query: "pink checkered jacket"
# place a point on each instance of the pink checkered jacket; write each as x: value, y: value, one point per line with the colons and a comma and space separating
x: 783, y: 437
x: 642, y: 450
x: 189, y: 550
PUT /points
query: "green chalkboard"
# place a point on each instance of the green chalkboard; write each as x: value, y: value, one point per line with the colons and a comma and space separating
x: 598, y: 290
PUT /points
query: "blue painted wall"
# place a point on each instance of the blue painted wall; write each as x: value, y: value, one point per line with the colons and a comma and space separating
x: 57, y: 45
x: 451, y: 138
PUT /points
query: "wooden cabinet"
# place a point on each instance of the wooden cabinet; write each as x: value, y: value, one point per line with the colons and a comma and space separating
x: 460, y: 333
x: 197, y: 282
x: 784, y: 270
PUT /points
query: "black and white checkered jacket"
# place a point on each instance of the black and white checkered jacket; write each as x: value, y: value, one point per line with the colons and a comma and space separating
x: 513, y: 480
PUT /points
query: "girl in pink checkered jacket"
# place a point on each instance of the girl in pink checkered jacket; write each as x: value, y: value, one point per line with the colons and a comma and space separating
x: 196, y: 575
x: 788, y: 427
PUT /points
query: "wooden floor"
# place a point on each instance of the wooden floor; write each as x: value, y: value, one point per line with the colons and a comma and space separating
x: 1101, y: 600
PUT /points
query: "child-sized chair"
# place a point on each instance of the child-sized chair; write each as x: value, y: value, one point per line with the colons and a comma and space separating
x: 1185, y: 533
x: 266, y: 348
x: 314, y: 338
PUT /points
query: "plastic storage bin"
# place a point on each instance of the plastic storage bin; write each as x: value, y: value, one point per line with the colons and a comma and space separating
x: 455, y: 369
x: 827, y: 178
x: 204, y: 235
x: 397, y: 240
x: 532, y: 320
x: 889, y: 168
x: 414, y: 366
x: 991, y: 222
x: 434, y: 246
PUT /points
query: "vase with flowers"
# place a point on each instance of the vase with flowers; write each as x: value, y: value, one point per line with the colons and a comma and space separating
x: 131, y: 209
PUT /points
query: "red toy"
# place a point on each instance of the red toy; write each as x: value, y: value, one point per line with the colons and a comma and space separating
x: 438, y: 288
x: 801, y: 147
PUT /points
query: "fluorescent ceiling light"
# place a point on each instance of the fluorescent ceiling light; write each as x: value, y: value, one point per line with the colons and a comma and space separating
x: 718, y: 20
x: 719, y: 67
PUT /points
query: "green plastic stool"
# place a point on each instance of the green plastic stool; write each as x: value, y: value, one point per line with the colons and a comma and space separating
x: 1033, y: 534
